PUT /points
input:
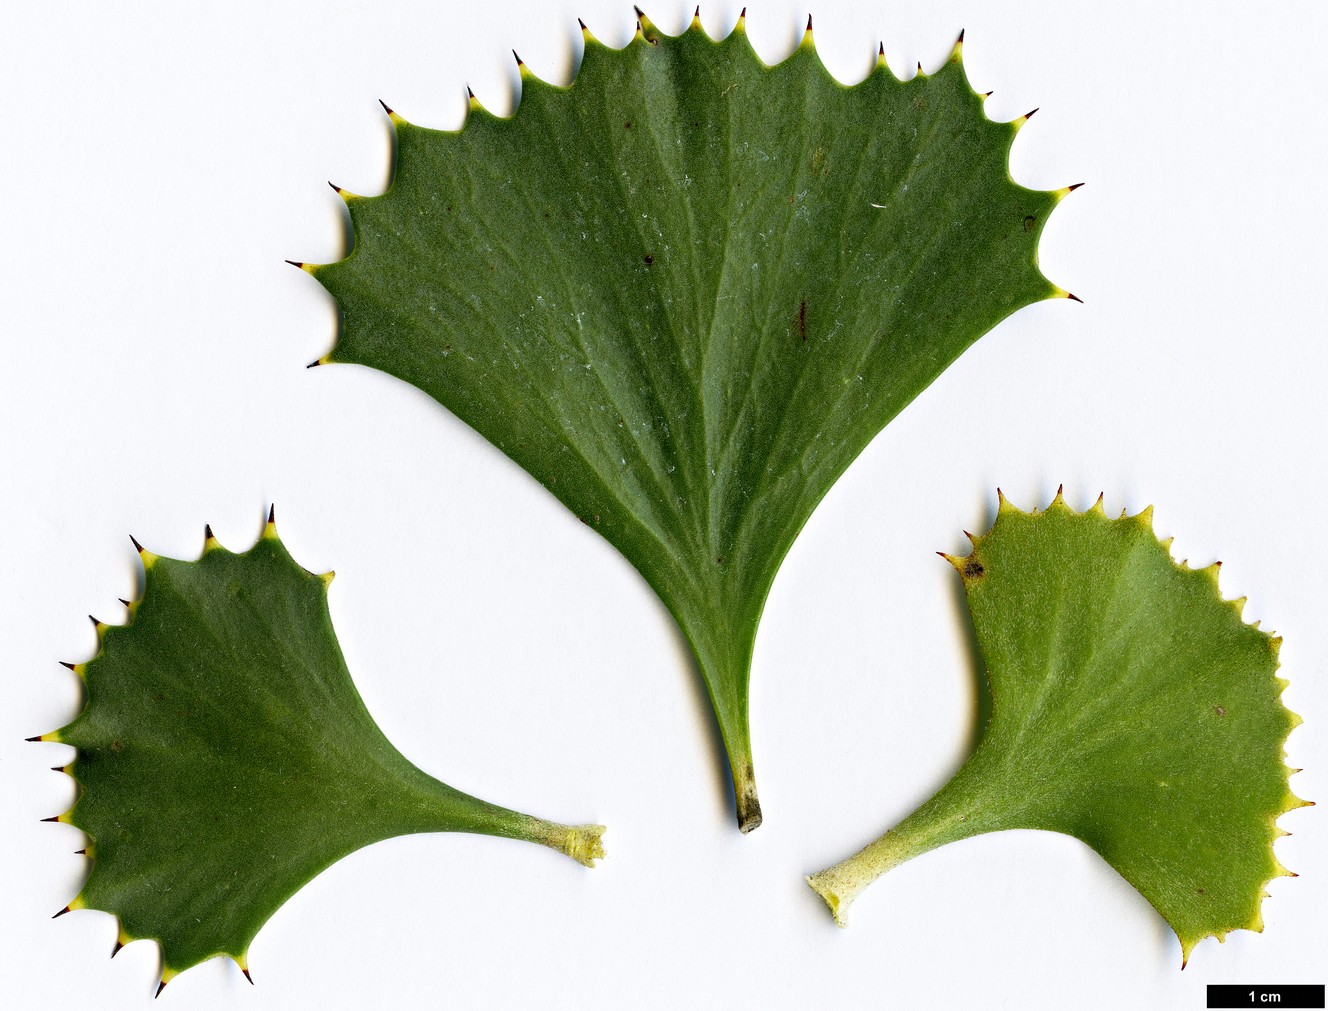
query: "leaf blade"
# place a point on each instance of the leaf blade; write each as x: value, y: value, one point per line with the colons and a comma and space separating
x: 686, y: 291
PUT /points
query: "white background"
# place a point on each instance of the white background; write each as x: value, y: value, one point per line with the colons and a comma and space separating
x: 159, y: 161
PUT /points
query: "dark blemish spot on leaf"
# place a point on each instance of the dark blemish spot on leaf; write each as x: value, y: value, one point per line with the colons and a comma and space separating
x: 654, y: 41
x: 1220, y: 710
x: 1200, y: 890
x: 117, y: 746
x: 719, y: 559
x: 802, y: 320
x: 649, y: 258
x: 1029, y: 223
x: 627, y: 125
x: 918, y: 103
x: 973, y: 569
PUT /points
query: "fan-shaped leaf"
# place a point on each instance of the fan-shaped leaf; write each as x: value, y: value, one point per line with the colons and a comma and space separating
x: 687, y: 290
x: 225, y: 757
x: 1131, y: 707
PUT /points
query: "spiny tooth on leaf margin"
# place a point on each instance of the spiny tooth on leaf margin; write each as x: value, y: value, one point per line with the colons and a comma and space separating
x: 396, y: 118
x: 1098, y: 509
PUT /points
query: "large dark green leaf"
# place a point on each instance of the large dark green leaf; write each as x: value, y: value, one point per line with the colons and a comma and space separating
x: 225, y: 757
x: 1131, y: 707
x: 687, y: 290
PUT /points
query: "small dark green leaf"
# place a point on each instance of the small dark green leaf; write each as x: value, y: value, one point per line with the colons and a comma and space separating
x: 225, y: 757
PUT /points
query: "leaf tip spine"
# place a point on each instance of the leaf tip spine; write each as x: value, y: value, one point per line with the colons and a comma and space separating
x: 343, y: 193
x: 741, y: 26
x: 397, y: 120
x: 808, y: 41
x: 1065, y: 191
x: 327, y: 577
x: 270, y: 527
x: 1018, y: 124
x: 210, y: 542
x: 957, y: 54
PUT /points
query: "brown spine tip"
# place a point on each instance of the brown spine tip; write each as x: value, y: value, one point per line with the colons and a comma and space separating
x: 961, y: 37
x: 57, y: 768
x: 68, y: 666
x: 121, y: 600
x: 93, y: 620
x: 1029, y: 115
x: 386, y: 108
x: 919, y: 66
x: 81, y: 853
x: 809, y: 28
x: 639, y: 13
x: 272, y: 513
x: 313, y: 364
x: 116, y: 950
x: 207, y: 531
x: 1071, y: 189
x: 519, y: 61
x: 335, y: 187
x: 881, y: 50
x: 55, y: 818
x: 296, y: 263
x: 61, y: 913
x: 697, y: 12
x: 742, y: 15
x: 583, y: 24
x: 1072, y: 295
x: 469, y: 92
x: 137, y: 547
x: 247, y: 976
x: 160, y: 987
x: 33, y: 740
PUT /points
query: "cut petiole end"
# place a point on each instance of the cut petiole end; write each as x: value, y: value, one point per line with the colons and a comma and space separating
x: 837, y: 897
x: 583, y: 843
x: 746, y: 799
